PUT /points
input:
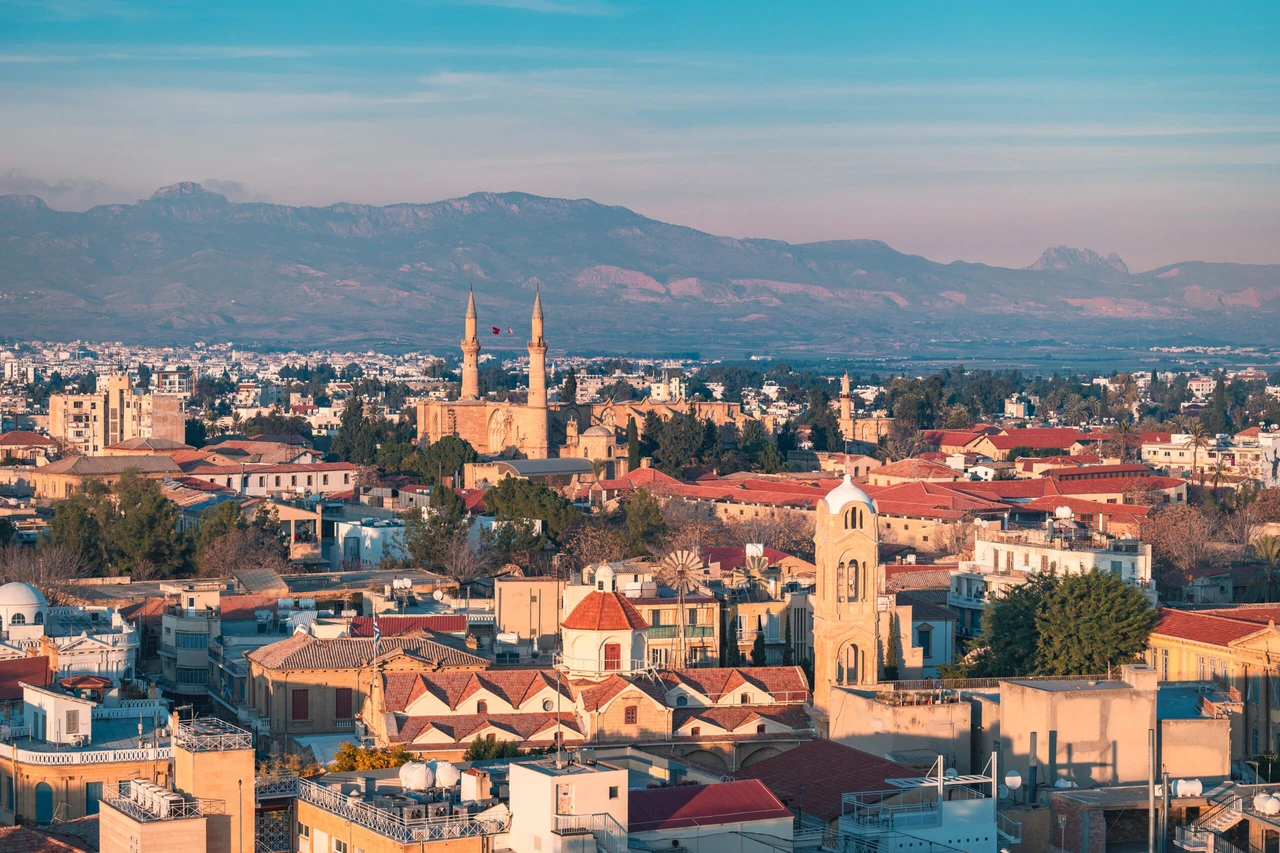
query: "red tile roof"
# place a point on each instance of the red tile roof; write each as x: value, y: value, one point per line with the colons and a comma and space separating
x: 394, y: 626
x: 604, y: 611
x: 702, y: 805
x: 1081, y: 472
x: 515, y: 686
x: 947, y: 501
x: 25, y: 438
x: 826, y: 771
x: 735, y: 556
x: 1080, y: 506
x: 466, y: 727
x: 918, y: 469
x: 1218, y: 627
x: 33, y: 671
x: 785, y: 684
x: 20, y: 839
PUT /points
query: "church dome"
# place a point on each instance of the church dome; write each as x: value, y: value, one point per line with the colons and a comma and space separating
x: 18, y: 594
x: 847, y: 493
x: 598, y: 430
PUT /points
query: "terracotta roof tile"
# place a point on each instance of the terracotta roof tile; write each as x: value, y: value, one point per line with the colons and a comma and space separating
x: 14, y: 672
x: 702, y: 805
x: 394, y: 626
x: 303, y: 651
x: 604, y: 611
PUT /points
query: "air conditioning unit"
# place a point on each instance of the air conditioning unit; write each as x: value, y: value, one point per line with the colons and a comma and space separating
x: 414, y: 813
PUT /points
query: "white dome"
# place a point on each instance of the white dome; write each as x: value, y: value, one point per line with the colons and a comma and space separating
x: 847, y: 493
x: 17, y: 594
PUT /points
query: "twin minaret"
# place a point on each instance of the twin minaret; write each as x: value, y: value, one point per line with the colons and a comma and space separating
x: 537, y: 357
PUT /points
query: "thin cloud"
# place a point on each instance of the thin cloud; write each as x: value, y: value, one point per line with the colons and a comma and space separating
x: 591, y: 8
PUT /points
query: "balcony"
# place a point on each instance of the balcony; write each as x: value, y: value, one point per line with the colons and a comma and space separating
x: 671, y: 632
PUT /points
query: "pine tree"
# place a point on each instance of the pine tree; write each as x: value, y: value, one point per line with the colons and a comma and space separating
x: 633, y: 445
x: 891, y: 659
x: 788, y: 653
x: 758, y: 653
x: 569, y: 393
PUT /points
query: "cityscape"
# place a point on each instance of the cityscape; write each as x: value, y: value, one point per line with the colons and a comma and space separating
x: 583, y: 426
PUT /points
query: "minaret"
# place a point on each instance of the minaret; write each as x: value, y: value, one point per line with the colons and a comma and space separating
x: 846, y: 408
x: 470, y: 355
x: 538, y: 383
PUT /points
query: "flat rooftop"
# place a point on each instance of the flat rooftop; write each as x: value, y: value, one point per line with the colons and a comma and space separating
x: 1080, y: 686
x: 108, y: 735
x: 1178, y: 703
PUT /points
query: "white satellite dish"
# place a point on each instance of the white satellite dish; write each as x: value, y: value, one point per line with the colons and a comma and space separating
x: 438, y: 595
x: 1004, y: 792
x: 1063, y: 512
x: 1013, y: 779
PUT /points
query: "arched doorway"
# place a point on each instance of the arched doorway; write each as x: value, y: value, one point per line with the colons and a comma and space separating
x: 44, y: 803
x: 848, y: 664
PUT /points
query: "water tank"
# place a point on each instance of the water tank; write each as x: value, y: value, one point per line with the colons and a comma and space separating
x: 417, y: 776
x: 1187, y: 788
x: 447, y: 775
x: 1271, y: 806
x: 1260, y: 800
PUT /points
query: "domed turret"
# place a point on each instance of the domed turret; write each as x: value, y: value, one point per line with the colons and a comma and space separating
x: 846, y: 493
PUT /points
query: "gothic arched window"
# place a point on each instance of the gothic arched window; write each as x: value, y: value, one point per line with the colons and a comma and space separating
x: 840, y: 581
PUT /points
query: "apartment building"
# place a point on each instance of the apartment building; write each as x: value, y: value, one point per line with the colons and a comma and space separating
x: 88, y: 423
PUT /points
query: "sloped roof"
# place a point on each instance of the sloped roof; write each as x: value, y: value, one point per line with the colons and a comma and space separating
x: 162, y: 445
x: 18, y: 670
x: 1218, y: 627
x: 21, y: 839
x: 732, y: 716
x: 515, y: 686
x: 786, y: 684
x: 394, y: 626
x: 303, y: 651
x: 702, y: 805
x: 917, y: 469
x: 25, y: 438
x: 101, y: 466
x: 464, y: 727
x: 604, y: 611
x: 827, y: 771
x: 596, y: 694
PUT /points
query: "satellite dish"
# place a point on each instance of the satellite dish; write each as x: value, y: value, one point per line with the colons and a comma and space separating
x: 1004, y: 792
x: 438, y: 595
x: 1063, y: 512
x: 950, y: 773
x: 1013, y: 779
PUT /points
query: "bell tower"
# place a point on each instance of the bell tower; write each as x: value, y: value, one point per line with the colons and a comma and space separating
x: 846, y: 648
x: 470, y: 354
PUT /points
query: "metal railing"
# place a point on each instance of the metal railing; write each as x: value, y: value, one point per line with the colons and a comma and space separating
x: 1008, y: 827
x: 274, y: 787
x: 84, y: 756
x: 210, y: 734
x: 670, y: 632
x: 610, y: 835
x: 985, y: 683
x: 876, y: 814
x: 395, y: 827
x: 174, y: 809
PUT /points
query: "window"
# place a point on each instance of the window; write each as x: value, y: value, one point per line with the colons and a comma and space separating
x: 693, y: 616
x: 304, y: 831
x: 293, y: 479
x: 339, y: 846
x: 262, y: 482
x: 631, y: 715
x: 342, y: 703
x: 191, y: 675
x: 1200, y: 668
x: 324, y: 479
x: 482, y: 707
x: 613, y: 792
x: 346, y: 478
x: 695, y: 731
x: 300, y: 708
x: 18, y: 619
x: 277, y: 479
x: 760, y: 729
x: 612, y: 657
x: 744, y: 699
x: 191, y: 640
x: 547, y: 704
x: 73, y: 721
x: 682, y: 701
x: 1164, y: 669
x: 925, y: 636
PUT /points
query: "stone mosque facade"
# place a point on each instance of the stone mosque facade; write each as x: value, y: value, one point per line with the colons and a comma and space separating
x: 536, y: 429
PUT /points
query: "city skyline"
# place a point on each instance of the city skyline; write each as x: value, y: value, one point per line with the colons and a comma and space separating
x: 955, y: 134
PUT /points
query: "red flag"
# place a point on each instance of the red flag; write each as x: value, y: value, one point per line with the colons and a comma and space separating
x: 496, y: 330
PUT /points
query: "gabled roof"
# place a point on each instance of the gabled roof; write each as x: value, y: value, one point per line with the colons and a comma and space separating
x: 604, y: 611
x: 515, y: 686
x: 784, y: 684
x: 1218, y: 627
x: 826, y: 771
x: 702, y: 805
x: 945, y: 501
x: 161, y: 445
x: 22, y: 839
x: 917, y: 469
x: 594, y: 695
x: 734, y: 716
x: 466, y: 727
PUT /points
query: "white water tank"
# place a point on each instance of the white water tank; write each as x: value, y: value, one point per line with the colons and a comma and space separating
x: 417, y: 776
x: 1187, y: 788
x: 1271, y: 806
x: 447, y: 775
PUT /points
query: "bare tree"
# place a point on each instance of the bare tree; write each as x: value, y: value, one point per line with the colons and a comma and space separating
x: 691, y: 525
x: 52, y: 569
x: 463, y: 564
x: 592, y: 542
x: 1181, y: 541
x: 246, y: 548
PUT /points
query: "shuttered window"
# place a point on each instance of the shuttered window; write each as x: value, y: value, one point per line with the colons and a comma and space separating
x: 612, y: 656
x: 342, y: 703
x: 300, y: 707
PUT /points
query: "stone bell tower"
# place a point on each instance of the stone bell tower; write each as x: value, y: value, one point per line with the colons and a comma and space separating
x: 846, y: 630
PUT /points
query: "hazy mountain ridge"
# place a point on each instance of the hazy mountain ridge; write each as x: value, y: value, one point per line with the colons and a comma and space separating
x: 187, y: 263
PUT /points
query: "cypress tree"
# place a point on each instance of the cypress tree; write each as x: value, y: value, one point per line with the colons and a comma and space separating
x: 633, y: 445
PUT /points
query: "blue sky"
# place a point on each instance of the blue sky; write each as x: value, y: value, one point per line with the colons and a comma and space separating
x: 957, y: 130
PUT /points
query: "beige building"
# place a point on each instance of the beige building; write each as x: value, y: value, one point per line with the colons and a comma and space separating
x: 59, y: 479
x: 527, y: 615
x: 89, y: 423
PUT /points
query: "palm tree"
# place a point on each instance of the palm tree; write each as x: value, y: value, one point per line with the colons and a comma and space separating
x: 1199, y: 440
x: 1268, y: 548
x: 237, y: 420
x: 211, y: 421
x: 1123, y: 432
x: 1220, y: 470
x: 1265, y: 585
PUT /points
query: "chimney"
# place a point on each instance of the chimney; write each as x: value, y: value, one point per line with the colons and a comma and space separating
x: 646, y: 462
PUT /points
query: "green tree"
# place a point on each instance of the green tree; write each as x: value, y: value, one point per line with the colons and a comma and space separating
x: 644, y: 522
x: 143, y: 533
x: 633, y: 445
x: 488, y: 747
x: 1090, y: 623
x: 428, y: 531
x: 77, y: 524
x: 195, y: 433
x: 218, y: 521
x: 759, y: 656
x: 350, y: 757
x: 1216, y: 417
x: 514, y: 499
x: 569, y: 392
x: 444, y: 458
x: 1009, y: 639
x: 8, y: 532
x: 788, y: 650
x: 892, y: 659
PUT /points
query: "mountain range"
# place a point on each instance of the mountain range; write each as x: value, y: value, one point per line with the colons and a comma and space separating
x: 186, y: 264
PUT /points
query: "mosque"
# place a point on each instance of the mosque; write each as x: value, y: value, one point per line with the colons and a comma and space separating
x: 537, y: 429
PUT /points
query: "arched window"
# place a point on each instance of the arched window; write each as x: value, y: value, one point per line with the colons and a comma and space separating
x: 847, y: 665
x: 840, y: 581
x: 695, y: 731
x: 18, y: 619
x: 853, y: 581
x: 760, y: 729
x: 39, y: 618
x: 744, y: 699
x: 482, y: 707
x: 682, y: 701
x: 631, y: 715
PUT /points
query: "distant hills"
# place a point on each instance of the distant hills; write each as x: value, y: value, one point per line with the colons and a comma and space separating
x: 186, y: 264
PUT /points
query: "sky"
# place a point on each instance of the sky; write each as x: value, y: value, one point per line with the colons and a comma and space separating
x: 977, y: 131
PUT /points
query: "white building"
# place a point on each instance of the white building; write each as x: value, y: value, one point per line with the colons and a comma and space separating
x: 368, y: 542
x: 555, y: 804
x: 604, y: 633
x: 88, y: 640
